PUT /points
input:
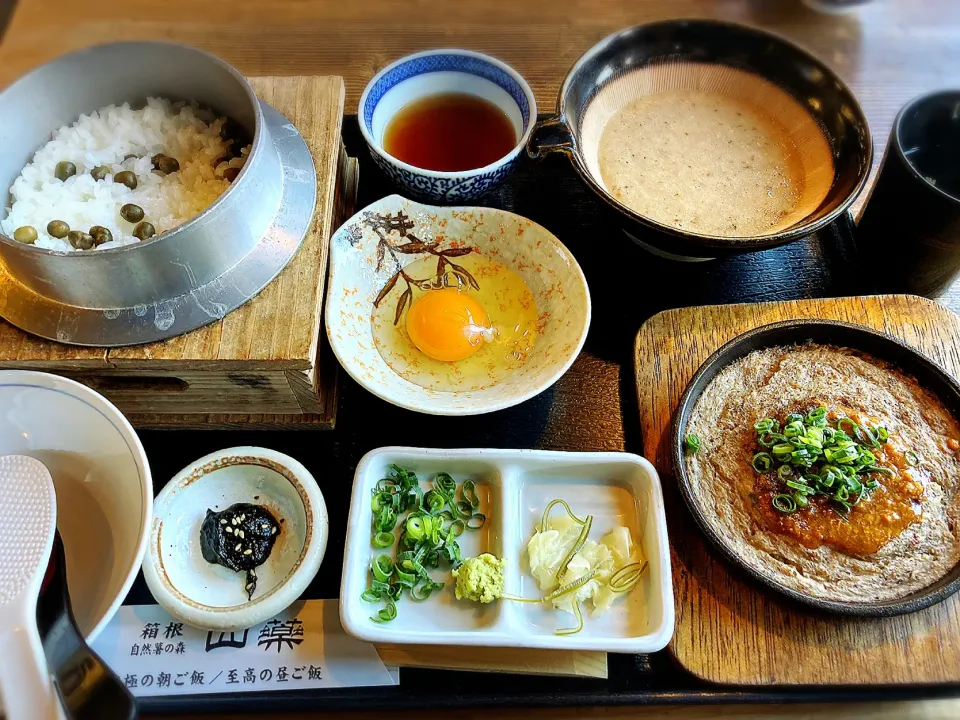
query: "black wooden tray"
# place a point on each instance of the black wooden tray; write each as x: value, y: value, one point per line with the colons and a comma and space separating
x: 593, y: 407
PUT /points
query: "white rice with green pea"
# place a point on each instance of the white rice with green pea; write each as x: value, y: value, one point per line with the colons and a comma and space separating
x: 182, y: 131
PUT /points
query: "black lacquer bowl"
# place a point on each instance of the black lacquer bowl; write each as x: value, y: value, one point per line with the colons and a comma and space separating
x: 879, y: 345
x: 804, y: 80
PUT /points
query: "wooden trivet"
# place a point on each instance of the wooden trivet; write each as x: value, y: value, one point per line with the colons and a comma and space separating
x: 264, y: 364
x: 573, y: 663
x: 730, y: 629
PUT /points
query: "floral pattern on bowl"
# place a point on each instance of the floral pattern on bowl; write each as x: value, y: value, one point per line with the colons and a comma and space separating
x: 360, y: 270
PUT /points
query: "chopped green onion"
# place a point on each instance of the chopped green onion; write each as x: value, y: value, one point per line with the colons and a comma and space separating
x: 871, y: 436
x: 422, y: 590
x: 476, y: 521
x: 766, y: 425
x: 468, y: 491
x: 850, y: 423
x: 762, y: 462
x: 769, y: 439
x: 434, y: 501
x: 692, y: 443
x: 382, y: 568
x: 428, y: 533
x: 387, y: 614
x: 794, y: 429
x: 785, y: 503
x: 842, y: 456
x: 801, y: 486
x: 782, y: 450
x: 383, y: 540
x: 912, y: 458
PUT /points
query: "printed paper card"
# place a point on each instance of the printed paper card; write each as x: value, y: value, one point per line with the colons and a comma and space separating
x: 305, y: 647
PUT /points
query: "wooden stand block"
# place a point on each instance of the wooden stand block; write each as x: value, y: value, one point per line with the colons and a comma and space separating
x: 731, y: 629
x: 525, y: 661
x: 263, y: 365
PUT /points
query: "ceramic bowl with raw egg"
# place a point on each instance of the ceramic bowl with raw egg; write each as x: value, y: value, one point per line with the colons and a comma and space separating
x: 447, y: 125
x: 453, y: 311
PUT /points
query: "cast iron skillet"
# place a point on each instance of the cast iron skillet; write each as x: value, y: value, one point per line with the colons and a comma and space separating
x: 792, y: 332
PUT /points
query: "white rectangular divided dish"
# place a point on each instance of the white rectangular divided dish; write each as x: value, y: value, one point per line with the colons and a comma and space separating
x: 514, y: 487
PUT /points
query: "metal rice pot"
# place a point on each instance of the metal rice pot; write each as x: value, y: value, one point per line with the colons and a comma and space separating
x: 638, y: 61
x: 178, y: 280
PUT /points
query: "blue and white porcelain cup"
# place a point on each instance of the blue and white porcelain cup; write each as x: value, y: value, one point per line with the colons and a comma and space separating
x: 436, y: 72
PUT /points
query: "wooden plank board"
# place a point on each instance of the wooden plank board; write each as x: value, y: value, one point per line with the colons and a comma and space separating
x: 265, y: 356
x: 280, y: 323
x: 573, y: 663
x: 729, y: 629
x: 326, y: 365
x: 888, y: 52
x: 914, y: 710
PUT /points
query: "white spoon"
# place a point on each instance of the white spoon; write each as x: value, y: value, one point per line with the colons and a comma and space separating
x: 28, y: 521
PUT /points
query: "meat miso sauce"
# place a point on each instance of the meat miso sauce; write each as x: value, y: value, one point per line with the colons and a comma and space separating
x: 878, y: 517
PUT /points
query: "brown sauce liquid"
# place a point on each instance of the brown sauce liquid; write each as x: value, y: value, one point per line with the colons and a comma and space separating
x: 449, y: 132
x: 873, y: 522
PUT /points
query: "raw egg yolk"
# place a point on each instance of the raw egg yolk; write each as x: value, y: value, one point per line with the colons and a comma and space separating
x: 447, y: 324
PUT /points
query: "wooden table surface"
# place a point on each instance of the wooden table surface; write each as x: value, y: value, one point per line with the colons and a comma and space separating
x: 888, y: 52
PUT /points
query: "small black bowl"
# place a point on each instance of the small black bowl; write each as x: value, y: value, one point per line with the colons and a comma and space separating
x: 857, y: 337
x: 914, y: 210
x: 810, y: 82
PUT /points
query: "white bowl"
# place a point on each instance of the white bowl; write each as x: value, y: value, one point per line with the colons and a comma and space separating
x: 514, y: 487
x: 212, y: 597
x: 102, y: 478
x: 435, y: 72
x: 530, y: 250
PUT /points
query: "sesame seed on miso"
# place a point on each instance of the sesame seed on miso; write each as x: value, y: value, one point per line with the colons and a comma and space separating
x: 449, y: 132
x: 701, y: 162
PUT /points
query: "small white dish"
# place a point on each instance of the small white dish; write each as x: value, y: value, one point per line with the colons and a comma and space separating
x: 210, y: 596
x: 360, y: 268
x: 102, y: 479
x: 436, y: 72
x: 514, y: 487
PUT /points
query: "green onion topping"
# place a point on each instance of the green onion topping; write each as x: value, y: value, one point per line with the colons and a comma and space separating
x: 785, y: 503
x: 692, y: 442
x: 812, y: 458
x: 428, y: 535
